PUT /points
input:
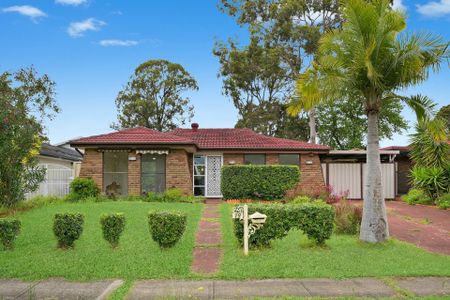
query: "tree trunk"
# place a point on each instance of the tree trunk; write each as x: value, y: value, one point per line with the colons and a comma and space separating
x: 374, y: 226
x: 312, y: 125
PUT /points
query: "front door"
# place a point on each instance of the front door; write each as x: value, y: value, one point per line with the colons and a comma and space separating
x: 213, y: 166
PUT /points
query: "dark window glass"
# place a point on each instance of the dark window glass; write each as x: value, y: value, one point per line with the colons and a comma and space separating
x: 289, y: 159
x: 199, y: 180
x: 115, y: 173
x: 153, y: 173
x: 199, y: 170
x: 199, y: 175
x: 254, y: 159
x: 199, y: 191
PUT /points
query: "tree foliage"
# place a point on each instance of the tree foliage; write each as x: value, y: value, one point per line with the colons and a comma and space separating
x: 153, y: 97
x: 26, y: 101
x: 444, y: 114
x: 343, y: 124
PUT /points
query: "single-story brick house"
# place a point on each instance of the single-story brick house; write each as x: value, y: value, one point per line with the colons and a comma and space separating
x: 140, y: 160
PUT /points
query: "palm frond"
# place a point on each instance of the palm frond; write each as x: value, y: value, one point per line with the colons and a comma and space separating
x: 423, y: 106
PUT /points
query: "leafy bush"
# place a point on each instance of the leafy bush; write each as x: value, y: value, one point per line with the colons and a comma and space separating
x: 9, y: 230
x: 166, y: 228
x: 112, y: 227
x: 443, y: 202
x: 433, y: 181
x: 258, y: 182
x: 301, y: 199
x: 82, y: 188
x: 416, y: 196
x: 316, y: 221
x: 67, y: 228
x: 171, y: 195
x: 348, y: 218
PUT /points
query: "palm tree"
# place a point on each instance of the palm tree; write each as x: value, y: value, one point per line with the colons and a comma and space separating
x: 371, y: 57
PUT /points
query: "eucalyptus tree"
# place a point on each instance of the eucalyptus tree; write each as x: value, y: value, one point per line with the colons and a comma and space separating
x: 155, y: 97
x: 372, y: 57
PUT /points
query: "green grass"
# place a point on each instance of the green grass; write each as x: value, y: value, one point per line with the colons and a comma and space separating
x: 138, y: 256
x: 343, y: 257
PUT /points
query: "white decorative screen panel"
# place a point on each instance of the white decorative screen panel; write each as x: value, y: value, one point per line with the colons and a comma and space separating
x: 213, y: 166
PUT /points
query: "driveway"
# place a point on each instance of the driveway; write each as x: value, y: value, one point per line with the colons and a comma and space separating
x: 425, y: 226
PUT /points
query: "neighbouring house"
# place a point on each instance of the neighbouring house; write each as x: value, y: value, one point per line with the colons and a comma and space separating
x: 403, y: 168
x: 140, y: 160
x: 62, y: 165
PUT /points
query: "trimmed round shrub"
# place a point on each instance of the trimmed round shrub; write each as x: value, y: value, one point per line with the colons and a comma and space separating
x: 417, y: 196
x: 316, y: 221
x: 9, y: 230
x: 67, y: 228
x: 82, y: 188
x: 269, y: 182
x: 443, y: 202
x: 301, y: 199
x: 166, y: 228
x: 112, y: 227
x: 348, y: 218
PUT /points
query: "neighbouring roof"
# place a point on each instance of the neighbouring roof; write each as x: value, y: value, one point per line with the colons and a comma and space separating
x: 357, y: 152
x: 204, y: 138
x: 60, y: 152
x: 241, y: 138
x: 398, y: 148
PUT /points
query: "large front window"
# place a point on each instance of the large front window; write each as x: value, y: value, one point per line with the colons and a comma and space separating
x: 153, y: 173
x: 254, y: 159
x: 289, y: 159
x: 115, y: 173
x: 199, y: 175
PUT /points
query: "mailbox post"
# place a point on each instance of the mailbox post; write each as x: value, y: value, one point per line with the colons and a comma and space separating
x: 257, y: 220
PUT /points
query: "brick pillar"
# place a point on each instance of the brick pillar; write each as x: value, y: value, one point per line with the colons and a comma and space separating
x: 134, y: 174
x: 92, y: 166
x: 311, y: 177
x: 178, y: 173
x: 236, y: 157
x: 272, y: 159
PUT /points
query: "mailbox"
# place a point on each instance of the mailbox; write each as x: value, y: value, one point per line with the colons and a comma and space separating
x: 258, y: 218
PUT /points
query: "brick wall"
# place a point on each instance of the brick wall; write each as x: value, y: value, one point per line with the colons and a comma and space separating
x: 311, y: 177
x: 238, y: 158
x: 178, y: 173
x: 92, y: 166
x: 272, y: 159
x: 134, y: 175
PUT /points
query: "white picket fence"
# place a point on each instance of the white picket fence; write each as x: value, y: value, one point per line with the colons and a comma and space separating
x: 349, y: 177
x: 56, y: 183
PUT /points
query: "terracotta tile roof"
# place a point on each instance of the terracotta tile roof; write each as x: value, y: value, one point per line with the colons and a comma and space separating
x: 204, y: 138
x: 138, y: 135
x: 241, y: 138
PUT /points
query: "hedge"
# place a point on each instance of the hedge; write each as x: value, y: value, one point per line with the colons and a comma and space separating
x: 316, y: 220
x: 82, y: 188
x: 67, y: 228
x: 112, y: 227
x: 9, y: 230
x: 258, y: 182
x: 166, y: 228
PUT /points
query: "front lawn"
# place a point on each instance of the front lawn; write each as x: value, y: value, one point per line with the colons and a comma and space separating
x: 138, y: 256
x: 295, y: 257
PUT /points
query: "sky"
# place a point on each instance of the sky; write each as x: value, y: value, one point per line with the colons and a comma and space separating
x: 91, y: 47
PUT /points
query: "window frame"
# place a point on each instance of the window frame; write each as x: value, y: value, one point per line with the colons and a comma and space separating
x: 193, y: 175
x: 298, y: 157
x: 264, y: 160
x: 154, y: 174
x: 103, y: 171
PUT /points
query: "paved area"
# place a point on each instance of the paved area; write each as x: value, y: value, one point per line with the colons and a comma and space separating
x: 208, y: 242
x: 56, y: 289
x: 425, y: 226
x: 219, y: 289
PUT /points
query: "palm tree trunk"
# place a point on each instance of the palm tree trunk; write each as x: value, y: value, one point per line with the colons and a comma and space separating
x: 312, y: 125
x: 374, y: 226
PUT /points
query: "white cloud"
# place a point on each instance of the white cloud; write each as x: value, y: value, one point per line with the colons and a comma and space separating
x: 70, y: 2
x: 76, y: 29
x: 434, y: 8
x: 398, y: 4
x: 124, y: 43
x: 26, y: 10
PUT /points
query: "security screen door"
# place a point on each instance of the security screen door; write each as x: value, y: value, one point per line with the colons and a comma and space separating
x: 213, y: 166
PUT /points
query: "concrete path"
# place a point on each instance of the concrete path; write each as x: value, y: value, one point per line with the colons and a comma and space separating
x: 208, y: 243
x: 219, y: 289
x: 56, y: 289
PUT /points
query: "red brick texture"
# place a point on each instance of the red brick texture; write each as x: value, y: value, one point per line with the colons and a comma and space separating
x: 134, y: 174
x: 92, y: 166
x: 229, y: 158
x: 311, y: 177
x: 178, y: 173
x: 272, y: 159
